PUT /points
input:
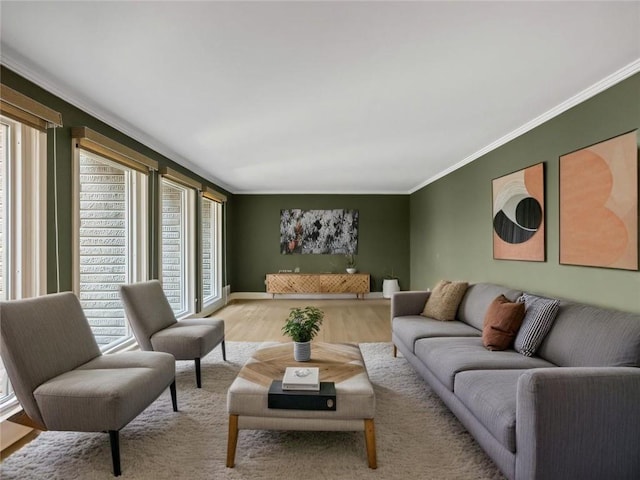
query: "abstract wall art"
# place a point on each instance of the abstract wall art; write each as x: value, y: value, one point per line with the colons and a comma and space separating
x: 518, y: 215
x: 319, y: 231
x: 599, y: 204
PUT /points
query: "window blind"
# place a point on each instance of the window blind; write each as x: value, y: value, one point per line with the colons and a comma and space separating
x: 214, y: 195
x: 97, y: 143
x: 25, y: 110
x: 174, y: 175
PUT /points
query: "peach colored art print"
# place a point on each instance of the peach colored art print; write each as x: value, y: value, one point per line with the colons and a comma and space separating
x: 518, y: 215
x: 599, y: 204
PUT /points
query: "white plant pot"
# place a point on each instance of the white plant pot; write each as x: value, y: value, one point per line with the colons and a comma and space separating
x: 389, y: 286
x: 302, y: 351
x: 351, y: 270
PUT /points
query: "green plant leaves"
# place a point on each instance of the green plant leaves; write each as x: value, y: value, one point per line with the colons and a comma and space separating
x: 303, y: 323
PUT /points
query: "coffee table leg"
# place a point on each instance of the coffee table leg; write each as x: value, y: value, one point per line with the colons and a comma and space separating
x: 233, y: 440
x: 370, y: 440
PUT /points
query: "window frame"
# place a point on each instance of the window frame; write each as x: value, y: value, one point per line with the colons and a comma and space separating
x: 25, y: 222
x: 213, y: 301
x: 188, y: 251
x: 137, y: 211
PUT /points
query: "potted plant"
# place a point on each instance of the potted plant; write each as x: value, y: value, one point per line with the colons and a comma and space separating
x: 302, y: 325
x: 351, y: 263
x: 390, y: 285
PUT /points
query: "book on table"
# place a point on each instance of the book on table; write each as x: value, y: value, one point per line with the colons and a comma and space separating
x: 323, y: 399
x: 301, y: 378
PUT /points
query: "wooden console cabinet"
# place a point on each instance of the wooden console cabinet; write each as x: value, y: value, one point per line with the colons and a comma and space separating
x: 357, y: 283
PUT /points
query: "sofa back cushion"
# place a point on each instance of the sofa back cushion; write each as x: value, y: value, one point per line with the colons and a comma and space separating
x: 589, y: 336
x: 477, y: 299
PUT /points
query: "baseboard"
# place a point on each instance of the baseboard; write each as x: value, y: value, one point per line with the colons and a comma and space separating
x: 298, y: 296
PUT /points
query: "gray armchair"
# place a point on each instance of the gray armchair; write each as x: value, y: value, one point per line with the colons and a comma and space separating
x: 62, y: 380
x: 156, y: 328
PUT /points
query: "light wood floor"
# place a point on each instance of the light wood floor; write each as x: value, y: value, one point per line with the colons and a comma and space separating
x: 347, y: 320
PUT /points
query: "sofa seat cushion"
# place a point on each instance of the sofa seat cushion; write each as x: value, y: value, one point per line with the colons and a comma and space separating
x: 491, y: 396
x: 445, y: 357
x: 414, y: 327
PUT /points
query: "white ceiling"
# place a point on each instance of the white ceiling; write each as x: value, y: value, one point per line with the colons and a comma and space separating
x: 322, y: 97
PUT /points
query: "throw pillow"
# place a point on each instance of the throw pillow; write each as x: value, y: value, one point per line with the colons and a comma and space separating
x: 538, y: 317
x: 501, y: 323
x: 443, y: 302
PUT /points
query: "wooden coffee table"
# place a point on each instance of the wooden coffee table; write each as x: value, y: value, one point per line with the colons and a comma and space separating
x: 338, y: 362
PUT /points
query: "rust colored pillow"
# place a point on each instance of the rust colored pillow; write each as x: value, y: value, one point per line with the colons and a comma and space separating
x: 501, y: 323
x: 443, y: 301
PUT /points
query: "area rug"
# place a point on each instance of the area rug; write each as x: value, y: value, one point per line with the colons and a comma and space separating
x: 417, y: 437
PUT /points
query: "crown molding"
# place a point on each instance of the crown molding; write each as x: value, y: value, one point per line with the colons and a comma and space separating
x: 616, y: 77
x: 28, y: 70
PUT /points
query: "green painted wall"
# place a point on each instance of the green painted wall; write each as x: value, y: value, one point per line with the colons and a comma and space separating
x: 383, y: 242
x: 451, y: 230
x: 74, y: 117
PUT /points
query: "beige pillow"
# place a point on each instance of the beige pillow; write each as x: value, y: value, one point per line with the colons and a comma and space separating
x: 444, y: 300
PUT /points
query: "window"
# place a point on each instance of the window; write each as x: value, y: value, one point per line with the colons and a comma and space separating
x: 22, y: 217
x: 110, y: 231
x: 4, y: 137
x: 211, y: 251
x: 177, y: 246
x: 112, y: 242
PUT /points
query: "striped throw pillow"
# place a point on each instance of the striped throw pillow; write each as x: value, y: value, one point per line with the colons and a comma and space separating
x: 538, y: 317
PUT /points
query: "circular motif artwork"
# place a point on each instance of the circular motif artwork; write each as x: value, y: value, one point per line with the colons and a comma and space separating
x: 518, y: 215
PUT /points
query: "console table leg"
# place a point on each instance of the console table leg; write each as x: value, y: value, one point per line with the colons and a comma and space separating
x: 232, y: 441
x: 370, y: 440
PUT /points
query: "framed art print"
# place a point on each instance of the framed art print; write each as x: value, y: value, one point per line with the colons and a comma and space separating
x: 599, y: 204
x: 518, y: 215
x: 319, y: 231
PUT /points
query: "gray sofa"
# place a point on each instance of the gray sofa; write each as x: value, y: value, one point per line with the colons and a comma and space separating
x: 570, y: 412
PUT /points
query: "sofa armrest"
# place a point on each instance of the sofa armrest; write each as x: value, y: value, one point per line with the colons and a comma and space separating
x: 408, y: 303
x: 578, y: 423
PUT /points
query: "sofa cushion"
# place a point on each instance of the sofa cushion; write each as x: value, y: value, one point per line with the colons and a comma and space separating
x: 501, y: 323
x: 589, y: 336
x: 443, y: 302
x: 491, y: 396
x: 477, y: 299
x: 539, y: 315
x: 445, y: 357
x: 413, y: 327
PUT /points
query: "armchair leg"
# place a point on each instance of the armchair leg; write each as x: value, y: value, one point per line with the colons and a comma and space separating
x: 224, y: 351
x: 174, y: 397
x: 198, y: 376
x: 114, y: 438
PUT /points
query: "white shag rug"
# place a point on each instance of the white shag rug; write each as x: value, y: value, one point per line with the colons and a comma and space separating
x: 416, y: 435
